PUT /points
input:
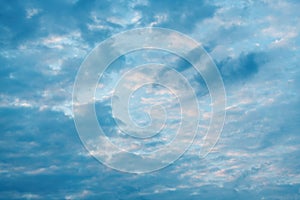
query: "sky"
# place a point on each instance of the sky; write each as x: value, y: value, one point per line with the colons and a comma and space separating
x: 254, y: 45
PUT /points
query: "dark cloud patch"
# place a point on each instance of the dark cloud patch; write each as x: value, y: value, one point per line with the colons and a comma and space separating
x: 55, y: 17
x: 47, y: 129
x: 75, y: 17
x: 62, y: 17
x: 243, y: 67
x: 27, y: 74
x: 31, y: 142
x: 179, y: 15
x: 22, y: 81
x: 40, y: 154
x: 15, y: 27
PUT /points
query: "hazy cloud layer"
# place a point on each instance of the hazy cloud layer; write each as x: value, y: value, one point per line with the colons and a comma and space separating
x: 255, y: 45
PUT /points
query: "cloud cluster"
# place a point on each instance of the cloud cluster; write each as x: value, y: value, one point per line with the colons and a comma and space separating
x: 255, y: 45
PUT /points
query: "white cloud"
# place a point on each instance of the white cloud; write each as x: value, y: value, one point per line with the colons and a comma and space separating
x: 31, y: 12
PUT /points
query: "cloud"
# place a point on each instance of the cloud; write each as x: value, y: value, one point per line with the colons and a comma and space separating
x: 255, y: 45
x: 243, y: 67
x: 177, y: 15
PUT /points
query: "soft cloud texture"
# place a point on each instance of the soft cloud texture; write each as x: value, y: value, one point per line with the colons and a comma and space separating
x: 255, y: 44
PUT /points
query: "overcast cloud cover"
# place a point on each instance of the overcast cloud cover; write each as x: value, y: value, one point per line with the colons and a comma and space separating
x: 255, y: 45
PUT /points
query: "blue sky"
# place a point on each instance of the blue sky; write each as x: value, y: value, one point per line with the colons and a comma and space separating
x: 255, y: 45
